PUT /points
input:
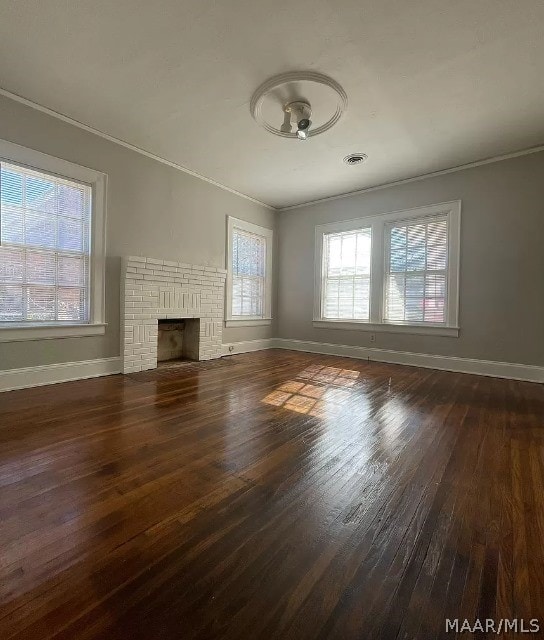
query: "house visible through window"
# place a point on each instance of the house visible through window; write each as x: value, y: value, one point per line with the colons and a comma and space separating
x: 396, y: 271
x: 249, y: 267
x: 52, y: 245
x: 45, y: 247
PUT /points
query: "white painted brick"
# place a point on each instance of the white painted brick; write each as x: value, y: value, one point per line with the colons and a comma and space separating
x: 166, y: 289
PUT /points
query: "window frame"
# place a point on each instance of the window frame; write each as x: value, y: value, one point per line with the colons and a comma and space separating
x: 267, y: 234
x: 325, y: 267
x: 29, y: 158
x: 378, y: 270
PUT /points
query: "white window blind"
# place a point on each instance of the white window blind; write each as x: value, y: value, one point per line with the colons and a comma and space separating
x: 346, y: 281
x: 45, y: 247
x: 248, y: 274
x: 416, y: 271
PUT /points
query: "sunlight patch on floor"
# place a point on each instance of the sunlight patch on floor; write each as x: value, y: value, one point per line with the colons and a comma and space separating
x: 314, y: 390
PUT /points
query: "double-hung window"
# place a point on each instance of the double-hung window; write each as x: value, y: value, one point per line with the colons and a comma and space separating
x: 51, y: 246
x: 391, y: 272
x: 346, y: 279
x: 416, y: 284
x: 249, y: 274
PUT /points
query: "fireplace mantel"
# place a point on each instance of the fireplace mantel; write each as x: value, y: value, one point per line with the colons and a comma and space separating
x: 154, y: 289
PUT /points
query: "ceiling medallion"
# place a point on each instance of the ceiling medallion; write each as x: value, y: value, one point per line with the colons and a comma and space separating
x: 298, y: 104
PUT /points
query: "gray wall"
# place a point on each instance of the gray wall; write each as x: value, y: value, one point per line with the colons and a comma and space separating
x: 502, y: 261
x: 158, y: 211
x: 153, y: 210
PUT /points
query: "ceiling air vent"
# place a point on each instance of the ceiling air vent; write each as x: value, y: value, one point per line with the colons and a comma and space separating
x: 355, y: 158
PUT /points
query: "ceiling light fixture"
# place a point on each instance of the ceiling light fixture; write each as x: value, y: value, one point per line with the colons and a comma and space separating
x: 299, y: 113
x: 311, y: 103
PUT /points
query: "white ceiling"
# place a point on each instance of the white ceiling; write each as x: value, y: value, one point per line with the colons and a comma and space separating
x: 431, y: 83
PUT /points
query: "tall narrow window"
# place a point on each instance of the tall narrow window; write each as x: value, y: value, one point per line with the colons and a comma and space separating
x: 346, y: 281
x: 45, y: 247
x: 248, y: 272
x: 416, y: 273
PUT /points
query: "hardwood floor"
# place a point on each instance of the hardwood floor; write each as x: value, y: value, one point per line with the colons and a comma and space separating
x: 270, y: 495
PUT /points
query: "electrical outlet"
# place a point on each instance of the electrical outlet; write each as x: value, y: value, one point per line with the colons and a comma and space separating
x: 372, y: 337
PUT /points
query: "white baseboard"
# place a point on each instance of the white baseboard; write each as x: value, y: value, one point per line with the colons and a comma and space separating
x: 63, y: 372
x: 530, y: 373
x: 53, y: 373
x: 233, y: 348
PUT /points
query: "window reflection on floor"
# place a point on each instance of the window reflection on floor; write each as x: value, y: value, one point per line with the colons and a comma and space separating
x: 315, y: 390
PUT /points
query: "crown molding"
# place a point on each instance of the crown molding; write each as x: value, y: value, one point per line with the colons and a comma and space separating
x: 80, y: 125
x: 423, y: 176
x: 127, y: 145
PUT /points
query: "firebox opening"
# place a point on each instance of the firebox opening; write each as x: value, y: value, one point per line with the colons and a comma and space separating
x: 178, y: 340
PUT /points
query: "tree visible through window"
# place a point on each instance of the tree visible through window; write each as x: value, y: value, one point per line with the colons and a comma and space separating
x: 45, y: 247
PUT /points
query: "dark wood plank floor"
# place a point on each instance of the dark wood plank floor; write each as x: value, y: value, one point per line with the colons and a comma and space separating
x: 270, y: 495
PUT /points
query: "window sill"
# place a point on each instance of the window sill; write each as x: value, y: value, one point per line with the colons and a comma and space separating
x: 19, y: 332
x: 248, y: 322
x: 414, y: 329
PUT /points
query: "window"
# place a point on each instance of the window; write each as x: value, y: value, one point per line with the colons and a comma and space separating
x: 248, y: 258
x: 391, y: 272
x: 416, y: 283
x: 346, y: 292
x: 45, y: 237
x: 51, y: 246
x: 249, y: 271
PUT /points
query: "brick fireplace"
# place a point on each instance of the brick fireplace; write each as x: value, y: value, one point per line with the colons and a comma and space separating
x: 153, y: 290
